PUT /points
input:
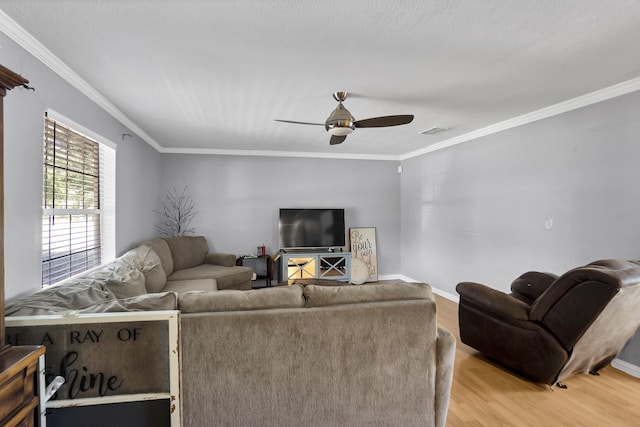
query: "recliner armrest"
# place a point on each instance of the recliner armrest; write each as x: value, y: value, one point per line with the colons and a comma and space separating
x: 492, y: 302
x: 226, y: 260
x: 530, y: 285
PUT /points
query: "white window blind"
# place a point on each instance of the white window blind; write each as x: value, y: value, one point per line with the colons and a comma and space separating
x: 72, y: 214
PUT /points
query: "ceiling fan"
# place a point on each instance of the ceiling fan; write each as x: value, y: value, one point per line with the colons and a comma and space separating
x: 341, y: 123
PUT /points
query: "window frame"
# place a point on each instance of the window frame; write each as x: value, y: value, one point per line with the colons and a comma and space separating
x: 106, y: 195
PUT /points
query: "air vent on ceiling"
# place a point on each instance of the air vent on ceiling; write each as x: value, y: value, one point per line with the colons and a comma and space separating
x: 432, y: 131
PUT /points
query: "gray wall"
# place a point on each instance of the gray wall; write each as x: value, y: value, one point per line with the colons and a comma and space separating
x: 477, y: 211
x: 631, y: 354
x: 238, y: 197
x: 138, y: 176
x: 23, y: 134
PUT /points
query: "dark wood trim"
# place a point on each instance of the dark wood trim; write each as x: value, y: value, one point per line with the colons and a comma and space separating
x: 3, y: 345
x: 9, y: 80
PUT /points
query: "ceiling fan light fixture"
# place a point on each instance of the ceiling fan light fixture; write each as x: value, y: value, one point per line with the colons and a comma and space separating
x: 341, y: 123
x: 337, y: 130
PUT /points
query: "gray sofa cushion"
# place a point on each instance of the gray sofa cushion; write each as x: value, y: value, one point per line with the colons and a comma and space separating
x: 146, y: 302
x: 320, y: 296
x: 191, y: 285
x: 188, y: 251
x: 226, y: 277
x: 234, y: 300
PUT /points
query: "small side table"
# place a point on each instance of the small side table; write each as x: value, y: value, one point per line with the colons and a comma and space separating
x: 262, y: 266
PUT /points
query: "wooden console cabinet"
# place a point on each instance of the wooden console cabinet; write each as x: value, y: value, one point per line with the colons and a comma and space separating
x: 19, y: 404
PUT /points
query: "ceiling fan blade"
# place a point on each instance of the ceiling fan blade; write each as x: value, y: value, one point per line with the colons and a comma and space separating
x: 299, y: 123
x: 384, y: 121
x: 337, y: 139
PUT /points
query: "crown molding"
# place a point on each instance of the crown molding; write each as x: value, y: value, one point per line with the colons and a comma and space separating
x: 29, y: 43
x: 19, y: 35
x: 543, y: 113
x: 265, y: 153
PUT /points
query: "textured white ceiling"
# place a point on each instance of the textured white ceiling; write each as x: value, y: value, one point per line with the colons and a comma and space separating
x: 214, y: 74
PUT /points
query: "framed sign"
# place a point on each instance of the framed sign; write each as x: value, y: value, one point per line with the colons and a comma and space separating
x: 122, y: 367
x: 363, y: 251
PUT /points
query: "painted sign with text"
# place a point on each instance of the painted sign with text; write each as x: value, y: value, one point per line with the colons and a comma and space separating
x: 363, y: 249
x: 101, y: 359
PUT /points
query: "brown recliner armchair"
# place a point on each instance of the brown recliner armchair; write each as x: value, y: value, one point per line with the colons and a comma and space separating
x: 550, y: 327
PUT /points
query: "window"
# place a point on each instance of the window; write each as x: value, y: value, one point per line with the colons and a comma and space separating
x: 73, y: 223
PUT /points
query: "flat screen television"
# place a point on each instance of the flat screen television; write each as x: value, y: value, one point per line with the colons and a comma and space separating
x: 311, y: 228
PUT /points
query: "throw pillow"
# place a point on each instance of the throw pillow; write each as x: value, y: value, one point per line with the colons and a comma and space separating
x: 154, y: 276
x: 127, y: 284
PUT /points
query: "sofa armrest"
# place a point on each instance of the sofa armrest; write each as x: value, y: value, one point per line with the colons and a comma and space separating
x: 492, y: 302
x: 226, y: 260
x: 445, y: 355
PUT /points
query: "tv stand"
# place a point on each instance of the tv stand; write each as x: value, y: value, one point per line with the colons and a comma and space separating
x: 310, y: 250
x: 315, y: 265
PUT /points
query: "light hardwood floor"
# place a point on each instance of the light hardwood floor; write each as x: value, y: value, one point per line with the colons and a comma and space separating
x: 484, y: 394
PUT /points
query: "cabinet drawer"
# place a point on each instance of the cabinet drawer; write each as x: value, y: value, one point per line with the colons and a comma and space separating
x: 25, y: 417
x: 16, y: 391
x: 18, y: 402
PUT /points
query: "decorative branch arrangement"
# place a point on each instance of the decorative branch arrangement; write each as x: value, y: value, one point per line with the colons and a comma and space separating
x: 178, y: 210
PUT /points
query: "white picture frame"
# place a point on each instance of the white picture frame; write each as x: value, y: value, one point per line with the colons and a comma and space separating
x: 118, y: 336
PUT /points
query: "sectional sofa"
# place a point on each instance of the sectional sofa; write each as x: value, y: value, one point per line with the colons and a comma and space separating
x: 186, y: 264
x: 144, y: 278
x: 290, y: 355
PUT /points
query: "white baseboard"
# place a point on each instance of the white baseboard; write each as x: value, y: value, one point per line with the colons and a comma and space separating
x: 390, y: 277
x: 447, y: 295
x: 444, y: 294
x: 626, y: 367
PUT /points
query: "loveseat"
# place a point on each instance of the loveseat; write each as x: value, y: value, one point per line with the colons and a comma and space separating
x: 313, y: 355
